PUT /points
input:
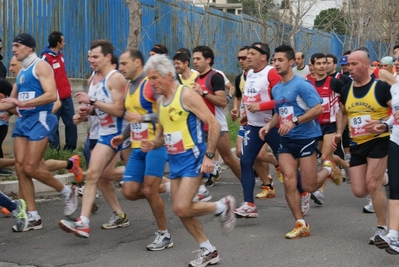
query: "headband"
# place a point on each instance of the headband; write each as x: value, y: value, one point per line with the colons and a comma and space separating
x: 260, y: 50
x: 157, y: 50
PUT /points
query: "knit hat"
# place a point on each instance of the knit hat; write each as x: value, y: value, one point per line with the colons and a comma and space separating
x: 25, y: 39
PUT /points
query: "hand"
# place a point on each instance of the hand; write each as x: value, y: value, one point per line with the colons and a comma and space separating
x: 13, y: 100
x: 207, y: 165
x: 263, y: 131
x: 380, y: 128
x: 234, y: 114
x: 77, y: 119
x: 4, y: 116
x: 82, y: 97
x: 334, y: 143
x: 116, y: 141
x: 253, y: 107
x: 369, y: 126
x: 197, y: 88
x: 243, y: 120
x: 285, y: 128
x: 85, y: 110
x: 147, y: 145
x: 133, y: 117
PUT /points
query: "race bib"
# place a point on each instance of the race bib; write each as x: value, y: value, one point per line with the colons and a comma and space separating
x: 139, y: 131
x: 25, y: 96
x: 357, y: 124
x: 105, y: 119
x: 174, y: 142
x: 285, y: 114
x: 252, y: 95
x: 326, y: 105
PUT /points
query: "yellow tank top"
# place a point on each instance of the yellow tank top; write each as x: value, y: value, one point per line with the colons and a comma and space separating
x: 142, y: 102
x: 242, y: 83
x: 190, y: 80
x: 362, y: 109
x: 182, y: 129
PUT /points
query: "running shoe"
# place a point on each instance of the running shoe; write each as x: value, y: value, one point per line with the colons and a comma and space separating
x: 5, y: 172
x: 369, y: 207
x: 317, y: 197
x: 279, y: 175
x: 246, y: 211
x: 305, y: 203
x: 20, y: 216
x: 335, y: 175
x: 205, y: 258
x: 6, y: 212
x: 227, y: 217
x: 160, y: 242
x: 203, y: 196
x: 300, y: 230
x: 71, y: 202
x: 267, y: 192
x: 32, y: 224
x: 116, y: 221
x: 382, y: 241
x: 393, y: 248
x: 379, y: 231
x: 77, y: 228
x: 76, y: 170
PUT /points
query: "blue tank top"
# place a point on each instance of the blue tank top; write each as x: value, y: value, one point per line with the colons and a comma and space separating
x: 29, y: 87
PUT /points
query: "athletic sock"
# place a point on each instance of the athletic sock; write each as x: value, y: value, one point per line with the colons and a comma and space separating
x: 393, y: 235
x: 33, y: 215
x: 85, y: 220
x: 167, y: 187
x: 65, y: 191
x: 302, y: 221
x: 69, y: 164
x: 207, y: 245
x: 220, y: 207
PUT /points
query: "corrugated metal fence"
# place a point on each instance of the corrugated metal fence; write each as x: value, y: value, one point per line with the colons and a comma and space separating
x: 163, y: 21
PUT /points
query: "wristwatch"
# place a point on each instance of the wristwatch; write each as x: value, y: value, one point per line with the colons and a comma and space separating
x: 204, y: 93
x: 295, y: 120
x: 92, y: 100
x: 209, y: 155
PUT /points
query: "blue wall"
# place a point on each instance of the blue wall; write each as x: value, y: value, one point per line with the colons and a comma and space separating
x: 163, y: 21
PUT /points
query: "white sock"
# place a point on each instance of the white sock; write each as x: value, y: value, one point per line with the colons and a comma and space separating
x: 34, y: 214
x: 164, y: 232
x: 220, y: 207
x: 85, y: 220
x: 393, y: 235
x: 167, y: 187
x: 202, y: 188
x: 329, y: 169
x: 207, y: 245
x: 302, y: 221
x: 66, y: 191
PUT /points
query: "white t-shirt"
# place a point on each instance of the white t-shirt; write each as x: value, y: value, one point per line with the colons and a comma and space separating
x: 303, y: 72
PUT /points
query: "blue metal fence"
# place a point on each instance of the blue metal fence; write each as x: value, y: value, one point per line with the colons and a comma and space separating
x: 163, y: 21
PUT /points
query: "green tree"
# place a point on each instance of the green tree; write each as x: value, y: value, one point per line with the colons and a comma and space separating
x: 331, y: 20
x: 257, y: 8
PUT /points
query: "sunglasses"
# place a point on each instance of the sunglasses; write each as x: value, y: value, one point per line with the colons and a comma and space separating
x: 242, y: 58
x: 395, y: 58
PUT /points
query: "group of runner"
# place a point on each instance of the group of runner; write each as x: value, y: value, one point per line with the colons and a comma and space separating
x: 163, y: 111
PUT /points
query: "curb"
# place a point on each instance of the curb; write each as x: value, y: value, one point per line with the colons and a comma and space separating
x: 9, y: 187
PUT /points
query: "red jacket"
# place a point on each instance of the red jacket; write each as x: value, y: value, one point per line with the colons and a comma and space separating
x: 56, y: 61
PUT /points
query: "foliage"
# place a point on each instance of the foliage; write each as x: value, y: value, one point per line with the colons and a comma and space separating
x: 257, y: 8
x: 233, y: 130
x: 64, y: 155
x: 331, y: 20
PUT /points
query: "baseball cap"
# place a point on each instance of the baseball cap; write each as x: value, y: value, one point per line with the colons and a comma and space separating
x: 25, y: 39
x: 344, y: 60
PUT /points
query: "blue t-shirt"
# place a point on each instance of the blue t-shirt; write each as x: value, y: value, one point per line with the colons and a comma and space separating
x: 294, y: 98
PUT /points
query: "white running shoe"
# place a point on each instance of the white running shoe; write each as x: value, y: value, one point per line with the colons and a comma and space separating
x: 246, y: 211
x: 227, y: 217
x: 71, y: 202
x: 305, y: 203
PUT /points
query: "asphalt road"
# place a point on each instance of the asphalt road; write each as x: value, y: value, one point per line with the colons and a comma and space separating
x: 339, y: 235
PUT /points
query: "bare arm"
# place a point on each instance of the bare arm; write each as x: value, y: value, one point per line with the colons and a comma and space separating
x: 387, y: 77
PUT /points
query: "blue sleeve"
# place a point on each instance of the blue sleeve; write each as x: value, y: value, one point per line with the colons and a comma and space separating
x: 309, y: 94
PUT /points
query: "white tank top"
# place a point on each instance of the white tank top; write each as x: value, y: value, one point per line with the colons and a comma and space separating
x: 395, y: 107
x: 256, y: 91
x: 93, y: 120
x: 109, y: 124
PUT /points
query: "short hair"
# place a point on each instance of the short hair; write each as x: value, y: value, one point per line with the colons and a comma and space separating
x: 264, y: 47
x: 54, y: 38
x: 347, y: 52
x: 184, y: 50
x: 246, y: 47
x: 394, y: 47
x: 364, y: 49
x: 114, y: 60
x: 206, y: 51
x: 303, y: 55
x: 135, y: 54
x: 335, y: 59
x: 161, y: 47
x: 162, y: 64
x: 106, y: 46
x: 288, y: 50
x: 183, y: 57
x: 317, y: 56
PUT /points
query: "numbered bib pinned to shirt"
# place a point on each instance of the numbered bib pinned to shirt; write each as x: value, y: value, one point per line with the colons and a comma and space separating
x: 357, y: 124
x: 139, y: 131
x: 25, y: 96
x: 285, y: 114
x: 174, y: 142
